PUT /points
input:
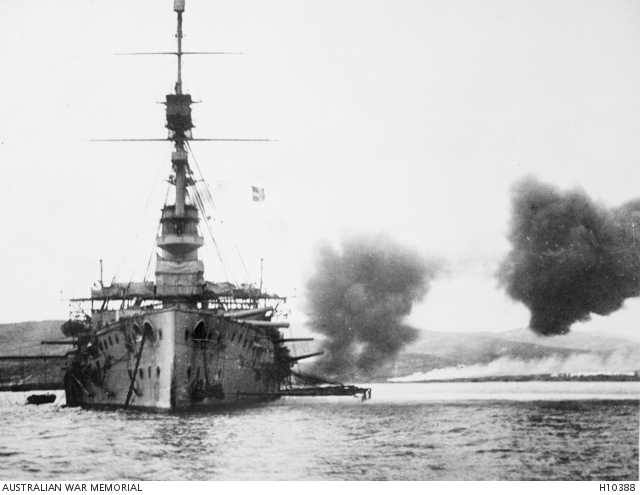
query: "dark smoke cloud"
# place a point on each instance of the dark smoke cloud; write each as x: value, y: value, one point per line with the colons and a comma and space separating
x: 358, y: 299
x: 570, y: 256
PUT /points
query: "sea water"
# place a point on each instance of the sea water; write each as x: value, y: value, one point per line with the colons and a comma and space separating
x: 407, y: 431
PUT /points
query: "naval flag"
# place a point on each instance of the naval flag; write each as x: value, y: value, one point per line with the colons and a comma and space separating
x: 258, y: 193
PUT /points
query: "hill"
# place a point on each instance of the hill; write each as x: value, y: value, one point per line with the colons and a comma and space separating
x: 515, y: 352
x: 24, y: 338
x: 440, y: 354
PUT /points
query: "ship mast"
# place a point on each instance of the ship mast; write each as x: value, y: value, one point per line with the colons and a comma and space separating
x: 180, y: 127
x: 178, y: 6
x: 179, y: 272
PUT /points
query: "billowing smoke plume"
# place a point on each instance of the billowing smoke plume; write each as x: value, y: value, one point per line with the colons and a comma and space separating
x: 358, y: 299
x: 570, y: 257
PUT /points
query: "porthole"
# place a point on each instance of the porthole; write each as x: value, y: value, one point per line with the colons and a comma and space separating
x: 188, y: 371
x: 160, y: 334
x: 158, y: 371
x: 117, y: 340
x: 100, y: 346
x: 141, y: 373
x: 233, y: 337
x: 199, y: 333
x: 149, y: 371
x: 110, y: 341
x: 105, y: 344
x: 149, y: 332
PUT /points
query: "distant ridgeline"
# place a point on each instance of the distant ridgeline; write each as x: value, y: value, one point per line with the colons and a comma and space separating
x: 434, y: 351
x: 24, y: 339
x: 514, y: 355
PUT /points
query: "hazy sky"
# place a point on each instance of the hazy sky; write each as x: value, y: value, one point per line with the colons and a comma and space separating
x: 410, y: 118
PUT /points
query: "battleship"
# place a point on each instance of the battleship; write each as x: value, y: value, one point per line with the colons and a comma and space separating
x: 181, y: 342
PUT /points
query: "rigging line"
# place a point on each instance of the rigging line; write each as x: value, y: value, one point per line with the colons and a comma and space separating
x: 146, y: 272
x: 153, y: 188
x: 155, y: 240
x: 208, y: 193
x: 200, y: 205
x: 158, y: 231
x: 244, y: 267
x: 229, y: 248
x: 153, y: 249
x: 210, y: 256
x: 214, y: 264
x: 230, y: 258
x: 235, y: 252
x: 233, y: 247
x: 215, y: 212
x: 208, y: 215
x: 201, y: 176
x: 140, y: 219
x: 205, y: 188
x: 142, y: 214
x: 198, y: 200
x: 205, y: 198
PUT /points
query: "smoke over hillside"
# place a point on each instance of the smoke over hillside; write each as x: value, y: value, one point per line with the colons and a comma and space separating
x: 570, y: 256
x: 616, y: 363
x: 358, y: 298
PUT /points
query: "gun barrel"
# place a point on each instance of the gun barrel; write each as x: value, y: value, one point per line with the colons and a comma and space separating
x: 305, y: 356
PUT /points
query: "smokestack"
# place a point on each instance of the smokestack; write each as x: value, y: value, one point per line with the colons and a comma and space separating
x: 358, y: 298
x: 570, y: 257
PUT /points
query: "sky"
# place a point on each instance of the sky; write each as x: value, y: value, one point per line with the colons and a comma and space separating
x: 408, y: 118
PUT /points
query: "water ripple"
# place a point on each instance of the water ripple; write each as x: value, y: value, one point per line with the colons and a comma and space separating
x: 329, y: 440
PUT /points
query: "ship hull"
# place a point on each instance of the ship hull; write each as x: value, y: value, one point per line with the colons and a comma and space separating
x: 176, y: 359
